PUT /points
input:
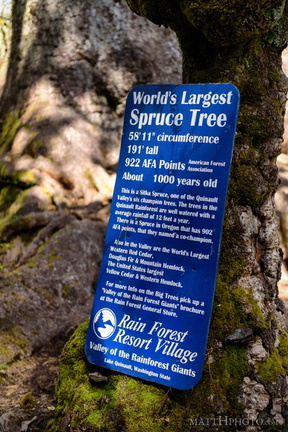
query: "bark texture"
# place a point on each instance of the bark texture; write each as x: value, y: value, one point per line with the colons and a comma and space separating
x: 245, y: 379
x: 241, y: 42
x: 69, y: 67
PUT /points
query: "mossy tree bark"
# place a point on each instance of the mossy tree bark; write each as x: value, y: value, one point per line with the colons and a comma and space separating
x: 241, y: 42
x: 244, y: 379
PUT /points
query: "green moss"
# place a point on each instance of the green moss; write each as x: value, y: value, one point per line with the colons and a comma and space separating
x: 27, y: 177
x: 230, y: 25
x: 65, y: 291
x: 5, y: 351
x: 130, y: 394
x: 27, y: 402
x: 248, y: 185
x: 10, y: 127
x: 13, y: 337
x: 20, y: 179
x: 32, y: 264
x: 234, y: 308
x: 232, y: 262
x: 10, y: 334
x: 49, y: 297
x: 122, y: 403
x: 3, y: 367
x: 11, y: 208
x: 276, y: 364
x: 219, y: 388
x: 4, y: 170
x: 8, y: 195
x: 11, y: 341
x: 283, y: 345
x: 271, y: 368
x: 14, y: 183
x: 73, y: 374
x: 52, y: 258
x: 104, y: 406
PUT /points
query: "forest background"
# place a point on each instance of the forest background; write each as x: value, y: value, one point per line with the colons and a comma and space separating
x: 65, y: 73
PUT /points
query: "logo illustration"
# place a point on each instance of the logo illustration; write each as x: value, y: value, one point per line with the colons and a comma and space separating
x: 104, y: 323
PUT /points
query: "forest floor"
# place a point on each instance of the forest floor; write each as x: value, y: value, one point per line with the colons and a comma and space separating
x: 29, y: 396
x: 27, y: 399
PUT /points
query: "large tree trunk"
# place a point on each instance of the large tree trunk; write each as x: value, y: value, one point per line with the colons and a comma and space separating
x: 244, y: 383
x: 242, y: 44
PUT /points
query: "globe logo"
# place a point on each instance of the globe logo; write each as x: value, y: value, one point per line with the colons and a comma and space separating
x: 104, y: 323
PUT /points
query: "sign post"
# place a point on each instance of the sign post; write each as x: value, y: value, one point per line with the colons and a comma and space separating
x: 154, y: 297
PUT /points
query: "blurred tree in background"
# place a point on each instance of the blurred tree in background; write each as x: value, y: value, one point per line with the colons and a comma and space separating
x: 62, y: 103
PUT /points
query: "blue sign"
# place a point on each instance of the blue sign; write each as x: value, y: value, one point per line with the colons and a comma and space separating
x: 154, y: 297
